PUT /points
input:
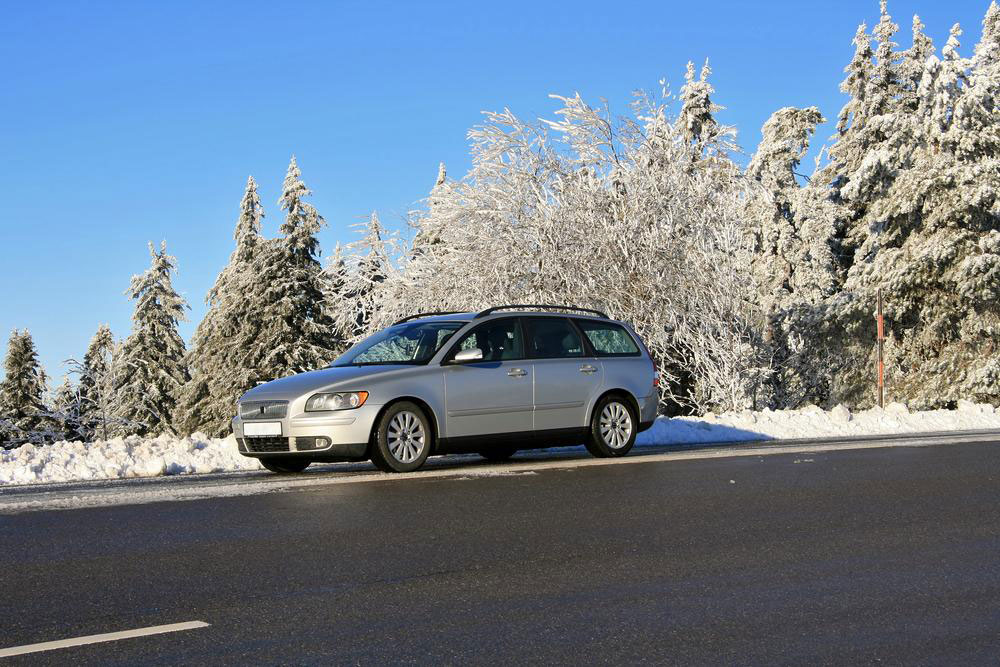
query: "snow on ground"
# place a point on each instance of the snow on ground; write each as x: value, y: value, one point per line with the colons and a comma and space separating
x: 137, y: 457
x: 813, y: 422
x: 121, y: 457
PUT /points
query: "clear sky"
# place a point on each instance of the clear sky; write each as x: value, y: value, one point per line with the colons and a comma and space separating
x: 130, y: 122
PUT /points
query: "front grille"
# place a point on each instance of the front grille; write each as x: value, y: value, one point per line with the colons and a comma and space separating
x: 263, y: 409
x: 268, y: 444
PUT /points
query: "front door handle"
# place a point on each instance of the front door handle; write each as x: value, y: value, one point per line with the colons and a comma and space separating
x: 517, y: 372
x: 588, y: 369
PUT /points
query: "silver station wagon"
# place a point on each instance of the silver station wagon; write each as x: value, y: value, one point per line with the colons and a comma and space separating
x: 494, y: 382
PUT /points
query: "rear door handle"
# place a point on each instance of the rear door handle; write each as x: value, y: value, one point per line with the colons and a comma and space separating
x: 588, y: 369
x: 516, y: 372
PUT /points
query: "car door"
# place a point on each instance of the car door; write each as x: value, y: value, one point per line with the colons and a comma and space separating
x: 494, y: 395
x: 566, y: 377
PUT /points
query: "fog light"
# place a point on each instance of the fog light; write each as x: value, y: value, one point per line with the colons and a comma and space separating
x: 310, y: 443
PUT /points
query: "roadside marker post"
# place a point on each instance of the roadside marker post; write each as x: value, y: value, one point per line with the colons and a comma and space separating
x: 881, y: 362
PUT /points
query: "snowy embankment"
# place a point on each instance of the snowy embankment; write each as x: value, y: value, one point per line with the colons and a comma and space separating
x: 137, y: 457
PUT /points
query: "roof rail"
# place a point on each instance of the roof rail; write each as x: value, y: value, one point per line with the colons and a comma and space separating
x: 536, y: 306
x: 419, y: 315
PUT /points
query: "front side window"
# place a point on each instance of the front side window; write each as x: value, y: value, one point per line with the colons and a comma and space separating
x: 408, y: 343
x: 499, y: 340
x: 608, y: 340
x: 552, y: 338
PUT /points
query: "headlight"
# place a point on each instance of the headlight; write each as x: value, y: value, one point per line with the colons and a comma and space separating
x: 342, y: 401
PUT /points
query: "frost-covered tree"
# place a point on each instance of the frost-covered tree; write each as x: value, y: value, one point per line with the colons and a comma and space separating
x: 793, y: 264
x: 152, y: 357
x: 336, y: 278
x: 296, y: 333
x: 426, y: 235
x: 22, y: 392
x: 368, y: 267
x: 97, y: 384
x: 65, y: 412
x: 924, y: 229
x: 697, y: 115
x: 663, y: 229
x: 219, y: 371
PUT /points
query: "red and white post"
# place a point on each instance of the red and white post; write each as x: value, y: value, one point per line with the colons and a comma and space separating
x: 881, y: 362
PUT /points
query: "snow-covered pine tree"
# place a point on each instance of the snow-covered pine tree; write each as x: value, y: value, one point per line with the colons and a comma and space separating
x: 219, y: 372
x: 793, y: 263
x: 426, y: 235
x: 912, y: 64
x: 98, y: 376
x: 696, y: 118
x: 335, y: 281
x: 152, y: 357
x: 22, y: 392
x: 368, y: 269
x: 938, y: 255
x: 65, y: 412
x: 928, y: 235
x: 296, y: 333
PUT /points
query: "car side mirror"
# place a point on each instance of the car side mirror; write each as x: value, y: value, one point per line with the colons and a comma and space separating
x: 466, y: 356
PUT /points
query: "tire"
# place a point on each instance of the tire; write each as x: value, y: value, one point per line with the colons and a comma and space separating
x: 613, y: 427
x: 498, y: 453
x: 403, y: 438
x: 285, y: 465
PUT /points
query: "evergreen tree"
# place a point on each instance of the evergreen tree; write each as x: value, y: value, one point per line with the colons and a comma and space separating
x: 369, y: 272
x: 96, y: 384
x: 696, y: 119
x: 152, y: 357
x: 219, y: 373
x: 296, y: 332
x: 335, y: 283
x: 793, y: 264
x: 66, y: 411
x: 427, y: 235
x: 911, y: 68
x: 22, y: 389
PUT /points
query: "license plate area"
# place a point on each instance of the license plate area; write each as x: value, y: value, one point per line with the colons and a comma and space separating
x: 261, y: 429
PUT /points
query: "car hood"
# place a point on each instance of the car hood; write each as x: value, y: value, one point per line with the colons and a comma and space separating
x: 339, y: 378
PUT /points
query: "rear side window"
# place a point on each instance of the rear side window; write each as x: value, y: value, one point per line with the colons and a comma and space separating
x: 608, y: 340
x: 552, y: 338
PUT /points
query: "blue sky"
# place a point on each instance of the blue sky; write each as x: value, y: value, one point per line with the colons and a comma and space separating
x: 130, y: 122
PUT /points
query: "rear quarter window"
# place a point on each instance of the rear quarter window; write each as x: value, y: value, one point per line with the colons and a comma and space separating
x: 609, y: 340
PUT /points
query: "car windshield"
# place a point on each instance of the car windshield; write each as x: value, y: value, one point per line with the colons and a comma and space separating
x: 410, y: 343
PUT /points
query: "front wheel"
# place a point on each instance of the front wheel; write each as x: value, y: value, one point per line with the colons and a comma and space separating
x: 285, y: 465
x: 612, y: 428
x: 402, y: 438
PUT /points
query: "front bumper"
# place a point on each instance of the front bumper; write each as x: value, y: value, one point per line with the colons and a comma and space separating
x: 341, y: 435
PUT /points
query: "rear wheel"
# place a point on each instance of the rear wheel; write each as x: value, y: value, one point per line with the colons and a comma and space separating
x: 403, y: 438
x: 498, y: 453
x: 613, y: 427
x: 285, y: 465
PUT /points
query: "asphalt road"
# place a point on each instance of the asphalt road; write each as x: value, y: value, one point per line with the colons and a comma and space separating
x: 888, y: 556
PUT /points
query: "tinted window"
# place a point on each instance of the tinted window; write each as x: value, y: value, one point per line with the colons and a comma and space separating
x: 608, y: 340
x: 499, y: 340
x: 552, y: 338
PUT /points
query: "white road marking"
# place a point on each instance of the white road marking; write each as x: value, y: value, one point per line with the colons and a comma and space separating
x: 106, y: 637
x: 102, y: 496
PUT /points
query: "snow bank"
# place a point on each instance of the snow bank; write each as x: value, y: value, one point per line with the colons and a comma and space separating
x: 121, y: 457
x: 136, y: 457
x: 812, y: 422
